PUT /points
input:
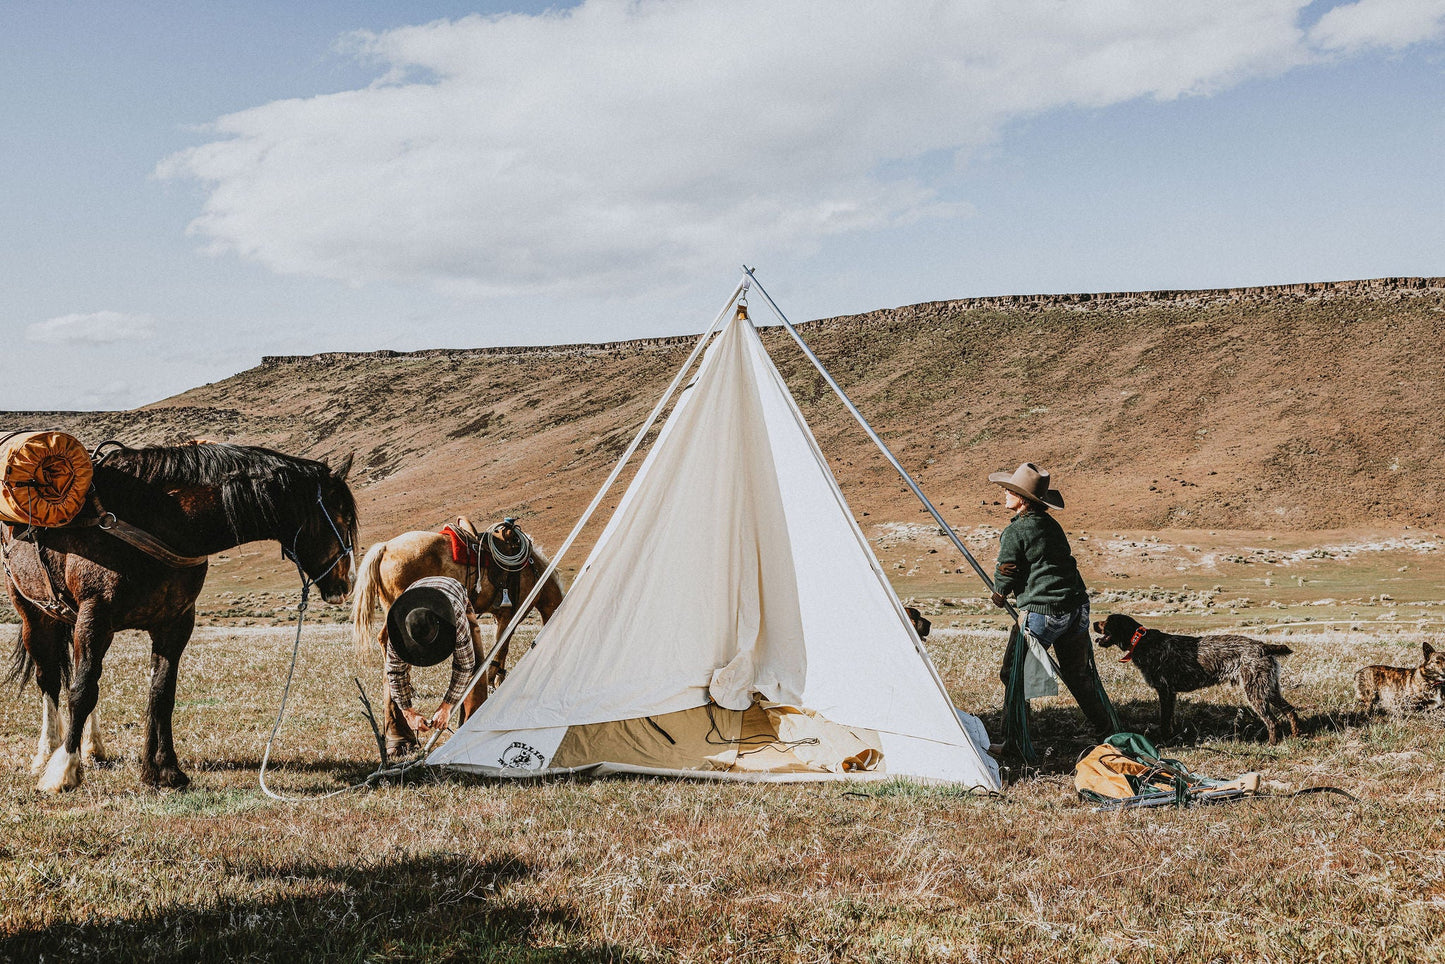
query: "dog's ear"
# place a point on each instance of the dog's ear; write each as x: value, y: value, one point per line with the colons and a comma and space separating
x: 1429, y: 650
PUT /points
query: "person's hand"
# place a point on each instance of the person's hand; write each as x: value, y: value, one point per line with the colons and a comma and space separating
x: 999, y: 601
x: 441, y: 716
x: 415, y: 720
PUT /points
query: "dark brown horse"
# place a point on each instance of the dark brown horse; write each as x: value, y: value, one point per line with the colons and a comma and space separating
x: 507, y: 569
x: 76, y: 586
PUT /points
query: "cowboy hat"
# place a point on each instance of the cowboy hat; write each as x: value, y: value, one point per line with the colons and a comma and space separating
x: 1031, y: 482
x: 422, y: 626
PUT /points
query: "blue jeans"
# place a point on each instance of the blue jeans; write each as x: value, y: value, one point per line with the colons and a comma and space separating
x: 1048, y: 629
x: 1067, y: 634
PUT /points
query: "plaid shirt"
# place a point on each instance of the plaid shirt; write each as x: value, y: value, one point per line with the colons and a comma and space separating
x: 464, y: 658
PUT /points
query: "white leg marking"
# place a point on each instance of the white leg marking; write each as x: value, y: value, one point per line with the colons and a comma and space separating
x: 92, y: 747
x: 49, y: 734
x: 62, y: 773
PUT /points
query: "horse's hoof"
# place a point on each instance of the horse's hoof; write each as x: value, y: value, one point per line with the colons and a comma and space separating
x: 37, y: 765
x: 62, y: 773
x: 172, y: 778
x: 93, y: 752
x: 165, y: 778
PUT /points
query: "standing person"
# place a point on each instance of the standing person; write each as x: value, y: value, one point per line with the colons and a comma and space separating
x: 428, y: 622
x: 1036, y: 567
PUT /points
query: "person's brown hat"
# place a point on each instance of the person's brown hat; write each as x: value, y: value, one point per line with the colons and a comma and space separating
x: 1031, y: 482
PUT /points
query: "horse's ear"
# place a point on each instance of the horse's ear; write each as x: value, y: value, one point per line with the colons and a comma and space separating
x: 344, y: 469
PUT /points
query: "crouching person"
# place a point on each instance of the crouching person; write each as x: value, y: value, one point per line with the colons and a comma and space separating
x: 1036, y: 566
x: 428, y: 622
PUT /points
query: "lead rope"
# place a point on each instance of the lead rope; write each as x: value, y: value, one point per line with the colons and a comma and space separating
x: 347, y: 551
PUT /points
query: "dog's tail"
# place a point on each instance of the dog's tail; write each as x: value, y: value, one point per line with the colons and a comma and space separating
x: 1277, y: 649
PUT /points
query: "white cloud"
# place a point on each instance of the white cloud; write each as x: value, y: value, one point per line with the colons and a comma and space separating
x: 627, y: 141
x: 1380, y: 23
x: 99, y: 327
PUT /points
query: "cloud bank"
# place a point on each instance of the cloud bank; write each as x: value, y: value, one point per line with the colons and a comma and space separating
x: 95, y: 328
x: 588, y: 150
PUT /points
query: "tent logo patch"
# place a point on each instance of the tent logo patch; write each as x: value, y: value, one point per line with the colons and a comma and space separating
x: 520, y: 756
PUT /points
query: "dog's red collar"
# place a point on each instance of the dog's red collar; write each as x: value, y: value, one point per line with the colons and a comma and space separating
x: 1138, y: 635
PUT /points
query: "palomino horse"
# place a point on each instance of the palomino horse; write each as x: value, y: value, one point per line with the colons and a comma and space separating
x: 507, y: 569
x: 76, y: 586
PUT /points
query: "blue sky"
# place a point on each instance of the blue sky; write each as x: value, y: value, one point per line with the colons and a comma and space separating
x: 186, y: 187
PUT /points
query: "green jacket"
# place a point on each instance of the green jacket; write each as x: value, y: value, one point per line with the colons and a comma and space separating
x: 1036, y: 566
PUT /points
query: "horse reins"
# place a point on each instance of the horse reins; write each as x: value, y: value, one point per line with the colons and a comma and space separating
x: 345, y: 550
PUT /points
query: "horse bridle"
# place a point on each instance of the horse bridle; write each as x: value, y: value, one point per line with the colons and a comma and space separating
x: 345, y: 550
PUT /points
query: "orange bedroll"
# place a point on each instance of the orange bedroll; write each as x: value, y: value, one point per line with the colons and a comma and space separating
x: 45, y: 478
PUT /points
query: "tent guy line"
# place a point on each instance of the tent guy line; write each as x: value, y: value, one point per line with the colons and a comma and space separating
x: 943, y: 526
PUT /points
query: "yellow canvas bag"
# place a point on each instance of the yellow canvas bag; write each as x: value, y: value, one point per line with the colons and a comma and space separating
x: 46, y: 476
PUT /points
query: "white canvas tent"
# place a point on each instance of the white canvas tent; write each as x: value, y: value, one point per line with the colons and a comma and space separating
x: 731, y: 621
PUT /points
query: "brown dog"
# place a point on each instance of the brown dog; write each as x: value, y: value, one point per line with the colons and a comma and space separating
x: 1180, y: 664
x: 920, y: 622
x: 1402, y: 689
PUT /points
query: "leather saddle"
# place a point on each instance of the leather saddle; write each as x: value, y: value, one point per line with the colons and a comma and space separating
x: 466, y: 543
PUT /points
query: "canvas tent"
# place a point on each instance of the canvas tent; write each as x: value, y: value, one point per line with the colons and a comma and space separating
x: 730, y: 622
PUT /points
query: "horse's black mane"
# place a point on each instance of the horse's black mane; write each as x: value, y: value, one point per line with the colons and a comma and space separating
x: 262, y: 490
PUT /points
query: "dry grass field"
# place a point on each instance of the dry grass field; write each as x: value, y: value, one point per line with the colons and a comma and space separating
x: 451, y: 868
x: 1264, y: 460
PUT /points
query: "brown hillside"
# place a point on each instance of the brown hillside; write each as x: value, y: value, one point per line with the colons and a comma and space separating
x: 1288, y: 407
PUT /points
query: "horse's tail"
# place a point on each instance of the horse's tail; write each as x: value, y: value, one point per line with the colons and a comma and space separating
x: 365, y: 599
x: 22, y: 664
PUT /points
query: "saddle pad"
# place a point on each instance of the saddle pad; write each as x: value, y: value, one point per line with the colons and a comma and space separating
x: 463, y: 551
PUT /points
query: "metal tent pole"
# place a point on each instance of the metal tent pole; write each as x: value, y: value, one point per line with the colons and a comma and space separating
x: 943, y: 526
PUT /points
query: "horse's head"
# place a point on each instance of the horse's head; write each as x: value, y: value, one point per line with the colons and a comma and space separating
x: 327, y: 535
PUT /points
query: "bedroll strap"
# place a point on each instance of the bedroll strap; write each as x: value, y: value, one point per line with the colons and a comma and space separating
x: 150, y: 545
